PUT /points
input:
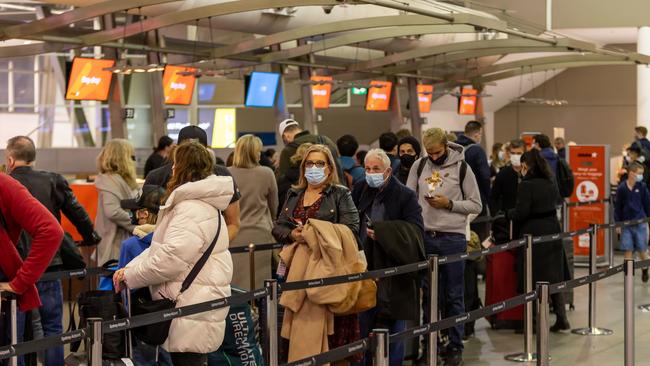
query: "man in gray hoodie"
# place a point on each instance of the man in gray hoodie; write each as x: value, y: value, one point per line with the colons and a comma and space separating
x: 448, y: 193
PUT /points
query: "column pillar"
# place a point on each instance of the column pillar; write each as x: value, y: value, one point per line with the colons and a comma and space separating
x: 643, y: 80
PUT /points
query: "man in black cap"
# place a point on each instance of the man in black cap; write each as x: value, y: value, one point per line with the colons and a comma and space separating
x: 408, y: 149
x: 161, y: 176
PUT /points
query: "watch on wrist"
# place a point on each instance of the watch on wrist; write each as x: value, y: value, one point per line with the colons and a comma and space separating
x: 450, y: 205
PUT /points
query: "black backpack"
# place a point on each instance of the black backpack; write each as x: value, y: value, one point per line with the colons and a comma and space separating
x: 564, y: 177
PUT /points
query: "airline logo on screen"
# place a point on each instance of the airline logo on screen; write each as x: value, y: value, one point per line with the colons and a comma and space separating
x: 178, y: 87
x: 89, y: 80
x: 379, y: 95
x: 321, y: 92
x: 425, y: 97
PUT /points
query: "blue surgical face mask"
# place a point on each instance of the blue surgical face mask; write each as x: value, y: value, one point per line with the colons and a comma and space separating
x: 639, y: 178
x: 375, y: 180
x: 315, y: 175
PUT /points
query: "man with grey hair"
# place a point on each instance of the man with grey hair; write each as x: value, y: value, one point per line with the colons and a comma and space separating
x: 391, y: 231
x: 53, y: 192
x: 448, y: 193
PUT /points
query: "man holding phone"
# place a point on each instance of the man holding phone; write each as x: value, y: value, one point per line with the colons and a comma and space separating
x: 448, y: 193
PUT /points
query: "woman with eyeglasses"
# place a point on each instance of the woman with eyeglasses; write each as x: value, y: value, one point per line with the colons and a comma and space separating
x: 318, y: 195
x: 115, y: 182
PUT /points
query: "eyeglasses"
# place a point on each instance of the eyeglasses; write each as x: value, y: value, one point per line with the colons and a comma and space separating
x: 318, y: 164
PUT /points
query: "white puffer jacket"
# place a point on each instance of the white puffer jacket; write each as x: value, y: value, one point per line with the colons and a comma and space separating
x: 186, y: 226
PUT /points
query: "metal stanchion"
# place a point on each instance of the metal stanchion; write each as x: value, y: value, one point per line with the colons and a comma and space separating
x: 543, y: 358
x: 13, y: 319
x: 591, y: 328
x: 251, y: 267
x: 380, y: 337
x: 272, y: 323
x: 527, y: 355
x: 512, y: 230
x: 432, y: 356
x: 565, y: 216
x: 629, y: 312
x: 95, y: 350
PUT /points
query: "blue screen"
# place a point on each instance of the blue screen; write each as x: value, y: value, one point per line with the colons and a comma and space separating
x: 262, y: 89
x: 206, y: 92
x: 268, y: 138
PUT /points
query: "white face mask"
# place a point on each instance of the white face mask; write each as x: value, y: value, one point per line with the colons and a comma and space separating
x: 515, y: 160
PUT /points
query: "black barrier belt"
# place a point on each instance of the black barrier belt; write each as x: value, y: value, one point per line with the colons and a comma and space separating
x: 642, y: 264
x: 256, y: 248
x: 380, y: 273
x: 464, y: 318
x: 484, y: 219
x: 62, y: 275
x: 165, y: 315
x: 337, y: 354
x: 41, y: 344
x: 475, y: 254
x: 587, y: 203
x: 577, y: 282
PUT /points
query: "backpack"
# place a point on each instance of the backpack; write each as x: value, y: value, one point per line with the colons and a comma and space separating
x: 461, y: 174
x: 564, y: 177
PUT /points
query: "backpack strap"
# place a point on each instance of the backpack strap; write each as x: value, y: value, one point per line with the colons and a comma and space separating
x: 461, y: 176
x: 421, y: 165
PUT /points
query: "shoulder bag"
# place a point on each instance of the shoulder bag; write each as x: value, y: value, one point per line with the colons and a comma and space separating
x: 142, y: 303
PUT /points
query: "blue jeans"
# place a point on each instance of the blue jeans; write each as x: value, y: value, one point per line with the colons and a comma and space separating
x: 51, y: 313
x: 369, y: 320
x: 451, y: 282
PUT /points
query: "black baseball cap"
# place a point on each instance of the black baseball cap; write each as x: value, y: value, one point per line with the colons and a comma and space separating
x: 193, y: 133
x: 150, y: 197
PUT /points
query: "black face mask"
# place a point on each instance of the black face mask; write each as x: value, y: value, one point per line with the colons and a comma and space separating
x: 441, y: 160
x: 407, y: 160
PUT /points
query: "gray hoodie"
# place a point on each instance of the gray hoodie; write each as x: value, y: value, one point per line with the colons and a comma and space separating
x: 443, y: 220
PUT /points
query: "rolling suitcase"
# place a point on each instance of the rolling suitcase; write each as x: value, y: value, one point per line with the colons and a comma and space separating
x: 501, y: 284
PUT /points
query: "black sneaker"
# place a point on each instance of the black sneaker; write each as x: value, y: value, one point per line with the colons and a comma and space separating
x: 644, y: 275
x: 454, y: 357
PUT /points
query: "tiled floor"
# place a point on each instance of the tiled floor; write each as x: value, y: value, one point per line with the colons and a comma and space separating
x: 490, y: 346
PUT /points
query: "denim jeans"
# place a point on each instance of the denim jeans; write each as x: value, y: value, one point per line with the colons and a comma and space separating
x: 451, y: 282
x: 369, y: 320
x: 51, y: 313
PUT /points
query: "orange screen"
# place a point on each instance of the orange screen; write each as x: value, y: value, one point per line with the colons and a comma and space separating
x: 321, y: 92
x: 379, y: 96
x: 467, y: 101
x: 88, y: 79
x: 177, y: 88
x: 425, y: 96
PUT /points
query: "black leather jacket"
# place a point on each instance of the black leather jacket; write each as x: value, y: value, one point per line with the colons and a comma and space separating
x: 53, y: 192
x: 337, y: 207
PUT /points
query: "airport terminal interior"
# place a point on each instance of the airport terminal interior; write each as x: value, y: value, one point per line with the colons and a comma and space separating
x: 544, y: 105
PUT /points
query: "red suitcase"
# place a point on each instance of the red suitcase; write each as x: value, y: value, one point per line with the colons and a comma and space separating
x: 500, y: 285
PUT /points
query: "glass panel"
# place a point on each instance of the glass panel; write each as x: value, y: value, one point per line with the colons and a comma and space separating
x: 23, y: 63
x: 24, y: 92
x: 4, y: 91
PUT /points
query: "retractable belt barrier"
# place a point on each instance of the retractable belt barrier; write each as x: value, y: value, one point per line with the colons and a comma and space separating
x: 344, y: 351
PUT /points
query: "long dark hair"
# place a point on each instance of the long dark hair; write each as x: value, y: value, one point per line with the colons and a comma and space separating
x: 163, y: 142
x: 537, y: 165
x: 192, y: 162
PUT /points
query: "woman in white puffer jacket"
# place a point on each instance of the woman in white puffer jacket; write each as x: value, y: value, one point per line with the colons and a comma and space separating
x: 187, y: 224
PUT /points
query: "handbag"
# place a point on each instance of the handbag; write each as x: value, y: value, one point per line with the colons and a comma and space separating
x: 142, y: 303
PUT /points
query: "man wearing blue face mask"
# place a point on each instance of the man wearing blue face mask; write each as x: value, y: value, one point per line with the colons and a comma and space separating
x: 392, y: 232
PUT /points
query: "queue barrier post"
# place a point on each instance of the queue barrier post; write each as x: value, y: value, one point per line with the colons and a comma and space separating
x: 432, y: 340
x: 13, y: 319
x: 527, y: 355
x: 629, y: 312
x: 543, y: 358
x: 381, y: 341
x: 565, y: 216
x: 591, y: 328
x: 251, y: 267
x: 95, y: 349
x: 271, y: 323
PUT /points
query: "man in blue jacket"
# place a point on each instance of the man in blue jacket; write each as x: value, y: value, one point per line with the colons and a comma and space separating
x: 476, y: 158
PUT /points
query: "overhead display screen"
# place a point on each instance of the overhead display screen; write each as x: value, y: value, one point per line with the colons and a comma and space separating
x: 467, y: 101
x: 378, y: 99
x: 177, y: 87
x: 425, y: 97
x: 321, y: 92
x: 262, y: 88
x: 88, y: 80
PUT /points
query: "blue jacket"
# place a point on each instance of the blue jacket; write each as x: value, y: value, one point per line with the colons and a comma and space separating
x: 632, y: 204
x: 551, y: 158
x: 133, y: 247
x: 477, y: 160
x: 349, y: 165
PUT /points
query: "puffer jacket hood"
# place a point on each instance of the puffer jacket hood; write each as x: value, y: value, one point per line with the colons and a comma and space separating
x: 456, y: 154
x: 186, y: 226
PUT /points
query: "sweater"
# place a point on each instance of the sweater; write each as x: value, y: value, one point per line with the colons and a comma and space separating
x: 631, y: 204
x: 19, y: 210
